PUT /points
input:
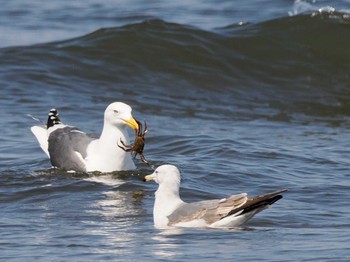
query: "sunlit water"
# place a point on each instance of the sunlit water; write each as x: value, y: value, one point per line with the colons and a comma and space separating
x: 240, y: 100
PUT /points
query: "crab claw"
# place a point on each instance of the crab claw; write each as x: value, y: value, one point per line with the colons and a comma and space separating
x: 138, y: 131
x: 146, y: 130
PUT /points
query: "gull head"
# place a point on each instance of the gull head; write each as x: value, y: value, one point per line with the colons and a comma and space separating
x: 165, y: 175
x: 119, y: 114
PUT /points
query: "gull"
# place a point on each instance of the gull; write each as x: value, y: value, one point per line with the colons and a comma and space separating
x: 73, y: 150
x: 170, y: 210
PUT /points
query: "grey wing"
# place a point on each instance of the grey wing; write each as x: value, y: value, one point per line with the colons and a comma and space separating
x: 209, y: 210
x: 214, y: 210
x: 64, y: 144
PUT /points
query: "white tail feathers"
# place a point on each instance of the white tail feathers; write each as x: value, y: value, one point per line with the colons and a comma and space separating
x: 41, y: 135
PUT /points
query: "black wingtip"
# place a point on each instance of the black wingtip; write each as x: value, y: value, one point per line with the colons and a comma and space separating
x: 53, y: 118
x: 274, y: 199
x: 264, y: 203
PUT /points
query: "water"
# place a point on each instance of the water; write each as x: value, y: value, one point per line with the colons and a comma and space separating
x: 240, y: 99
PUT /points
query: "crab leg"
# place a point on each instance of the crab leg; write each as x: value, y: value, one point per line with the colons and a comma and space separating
x: 126, y: 148
x: 139, y: 130
x: 145, y: 131
x: 143, y: 159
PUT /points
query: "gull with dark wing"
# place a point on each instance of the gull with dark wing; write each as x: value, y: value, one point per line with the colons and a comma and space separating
x: 71, y: 149
x: 170, y: 210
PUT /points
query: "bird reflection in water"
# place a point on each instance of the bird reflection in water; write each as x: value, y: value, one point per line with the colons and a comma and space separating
x: 111, y: 218
x: 167, y: 246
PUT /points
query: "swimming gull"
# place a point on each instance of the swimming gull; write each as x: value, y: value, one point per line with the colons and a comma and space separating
x: 170, y: 210
x: 71, y: 149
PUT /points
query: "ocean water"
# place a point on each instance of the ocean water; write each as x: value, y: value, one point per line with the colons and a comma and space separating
x: 243, y: 96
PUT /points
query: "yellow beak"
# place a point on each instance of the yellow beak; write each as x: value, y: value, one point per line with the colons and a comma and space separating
x: 132, y: 123
x: 148, y: 178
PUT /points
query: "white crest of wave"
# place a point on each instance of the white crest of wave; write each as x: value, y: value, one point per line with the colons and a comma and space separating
x: 300, y: 6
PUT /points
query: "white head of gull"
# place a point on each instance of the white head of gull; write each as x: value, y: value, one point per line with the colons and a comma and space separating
x: 71, y: 149
x: 170, y: 210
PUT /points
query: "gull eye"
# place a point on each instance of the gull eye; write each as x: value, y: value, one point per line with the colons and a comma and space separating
x: 115, y: 111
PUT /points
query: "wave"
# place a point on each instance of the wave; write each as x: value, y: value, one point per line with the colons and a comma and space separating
x: 270, y: 51
x: 296, y: 64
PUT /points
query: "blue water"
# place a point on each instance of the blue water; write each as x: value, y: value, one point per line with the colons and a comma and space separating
x: 243, y: 96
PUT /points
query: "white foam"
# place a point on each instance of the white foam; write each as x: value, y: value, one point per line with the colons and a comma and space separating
x: 106, y: 180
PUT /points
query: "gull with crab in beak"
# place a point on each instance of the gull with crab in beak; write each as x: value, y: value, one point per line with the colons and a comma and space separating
x: 73, y: 150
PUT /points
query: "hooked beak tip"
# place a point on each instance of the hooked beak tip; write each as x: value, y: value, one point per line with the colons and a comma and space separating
x: 132, y: 123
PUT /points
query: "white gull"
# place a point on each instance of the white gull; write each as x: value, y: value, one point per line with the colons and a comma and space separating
x: 71, y: 149
x: 170, y: 210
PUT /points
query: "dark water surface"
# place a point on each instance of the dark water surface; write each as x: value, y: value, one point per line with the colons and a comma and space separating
x: 241, y: 100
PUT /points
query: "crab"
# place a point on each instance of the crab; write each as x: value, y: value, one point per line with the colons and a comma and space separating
x: 139, y: 143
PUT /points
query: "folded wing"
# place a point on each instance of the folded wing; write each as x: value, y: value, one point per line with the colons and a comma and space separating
x: 68, y: 147
x: 212, y: 211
